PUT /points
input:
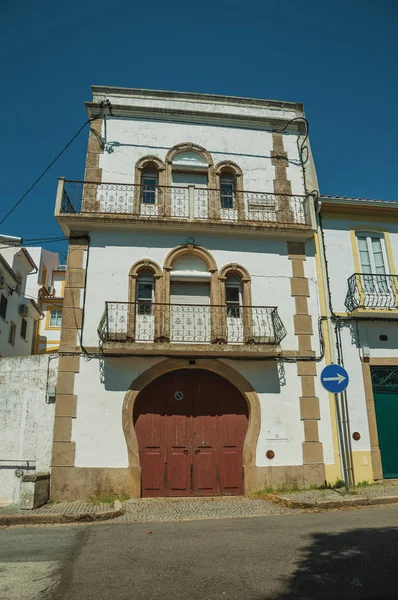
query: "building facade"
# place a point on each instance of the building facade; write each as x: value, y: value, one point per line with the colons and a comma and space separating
x: 360, y: 250
x: 191, y: 338
x: 47, y: 286
x: 19, y: 312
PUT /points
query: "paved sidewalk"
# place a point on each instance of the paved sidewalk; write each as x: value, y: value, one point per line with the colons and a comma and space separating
x: 155, y: 510
x: 60, y: 512
x: 358, y: 496
x: 150, y: 510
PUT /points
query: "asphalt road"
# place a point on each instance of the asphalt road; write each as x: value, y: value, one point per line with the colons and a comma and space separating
x: 342, y: 554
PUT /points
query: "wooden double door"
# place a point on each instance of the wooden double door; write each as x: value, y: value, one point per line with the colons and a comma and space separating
x: 191, y: 426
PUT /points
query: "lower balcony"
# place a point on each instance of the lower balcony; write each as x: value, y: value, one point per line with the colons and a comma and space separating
x: 372, y: 293
x: 148, y: 328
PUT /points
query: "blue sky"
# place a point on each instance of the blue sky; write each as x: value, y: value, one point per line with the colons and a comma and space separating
x: 339, y: 58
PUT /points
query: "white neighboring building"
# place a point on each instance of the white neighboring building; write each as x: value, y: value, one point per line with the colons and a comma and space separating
x: 26, y: 420
x: 19, y: 313
x: 192, y: 288
x: 361, y: 250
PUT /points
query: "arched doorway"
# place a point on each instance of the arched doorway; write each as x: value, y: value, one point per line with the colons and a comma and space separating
x: 191, y: 426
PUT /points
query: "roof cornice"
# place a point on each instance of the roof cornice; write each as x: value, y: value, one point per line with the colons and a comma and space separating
x: 358, y: 207
x: 174, y: 114
x: 9, y: 270
x: 194, y: 96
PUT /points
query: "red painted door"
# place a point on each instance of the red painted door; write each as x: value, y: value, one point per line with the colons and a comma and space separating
x: 177, y: 391
x: 190, y: 426
x: 205, y: 434
x: 150, y: 430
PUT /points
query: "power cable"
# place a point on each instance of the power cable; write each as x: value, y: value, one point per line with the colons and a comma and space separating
x: 51, y: 164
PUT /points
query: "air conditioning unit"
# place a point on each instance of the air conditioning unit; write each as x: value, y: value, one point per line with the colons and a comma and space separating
x: 51, y: 290
x: 23, y: 310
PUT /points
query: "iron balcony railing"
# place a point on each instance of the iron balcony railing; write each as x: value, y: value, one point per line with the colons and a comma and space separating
x: 188, y: 203
x: 367, y: 290
x: 190, y: 324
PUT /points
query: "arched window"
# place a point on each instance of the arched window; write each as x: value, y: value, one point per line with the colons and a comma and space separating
x: 227, y: 190
x: 229, y: 179
x: 145, y: 293
x: 233, y: 296
x: 150, y: 182
x: 150, y: 177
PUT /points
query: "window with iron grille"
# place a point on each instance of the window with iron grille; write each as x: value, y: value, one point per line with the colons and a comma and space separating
x: 3, y: 306
x: 373, y: 260
x: 227, y: 190
x: 149, y: 185
x: 11, y: 335
x: 233, y: 296
x: 145, y: 293
x: 24, y: 326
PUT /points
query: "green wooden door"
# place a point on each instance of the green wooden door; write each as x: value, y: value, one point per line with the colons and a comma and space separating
x: 386, y: 404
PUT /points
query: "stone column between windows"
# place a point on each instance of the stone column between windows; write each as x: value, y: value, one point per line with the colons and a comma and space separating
x: 306, y: 370
x: 93, y: 173
x: 63, y: 454
x: 281, y: 183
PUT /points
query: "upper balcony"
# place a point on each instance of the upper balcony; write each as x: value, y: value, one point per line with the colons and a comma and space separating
x: 80, y: 203
x: 371, y: 294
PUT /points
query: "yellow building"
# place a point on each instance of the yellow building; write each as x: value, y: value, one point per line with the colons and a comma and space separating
x: 51, y: 300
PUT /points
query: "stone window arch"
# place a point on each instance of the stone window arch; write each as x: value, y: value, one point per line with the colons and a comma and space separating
x: 145, y: 270
x: 189, y: 148
x: 229, y: 180
x: 237, y: 278
x: 153, y: 193
x: 190, y: 250
x: 190, y: 164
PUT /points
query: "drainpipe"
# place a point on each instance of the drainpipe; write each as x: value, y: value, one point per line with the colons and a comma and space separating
x: 332, y: 349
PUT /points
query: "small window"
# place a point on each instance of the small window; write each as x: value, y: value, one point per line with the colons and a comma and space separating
x: 24, y: 326
x: 19, y: 282
x: 145, y: 292
x: 373, y: 263
x: 11, y: 335
x: 3, y: 306
x: 43, y: 276
x: 55, y: 318
x: 149, y: 185
x: 233, y: 296
x: 227, y: 190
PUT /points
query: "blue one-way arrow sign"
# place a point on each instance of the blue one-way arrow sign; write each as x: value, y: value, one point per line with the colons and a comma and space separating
x: 334, y: 378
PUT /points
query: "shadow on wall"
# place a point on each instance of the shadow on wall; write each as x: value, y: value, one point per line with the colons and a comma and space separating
x: 117, y: 374
x: 167, y: 241
x: 356, y: 564
x: 378, y: 335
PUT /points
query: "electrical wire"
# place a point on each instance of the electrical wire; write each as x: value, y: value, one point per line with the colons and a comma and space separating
x: 52, y: 163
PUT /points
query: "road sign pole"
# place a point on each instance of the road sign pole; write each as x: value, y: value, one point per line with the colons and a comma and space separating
x: 335, y: 379
x: 342, y: 444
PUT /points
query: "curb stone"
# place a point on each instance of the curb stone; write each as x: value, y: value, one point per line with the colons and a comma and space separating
x: 325, y: 504
x: 46, y: 519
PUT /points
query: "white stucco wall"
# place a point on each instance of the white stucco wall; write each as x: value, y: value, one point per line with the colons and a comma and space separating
x: 21, y: 347
x: 98, y: 433
x: 128, y: 140
x: 112, y: 255
x: 360, y: 337
x: 100, y: 441
x: 339, y: 252
x: 26, y: 419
